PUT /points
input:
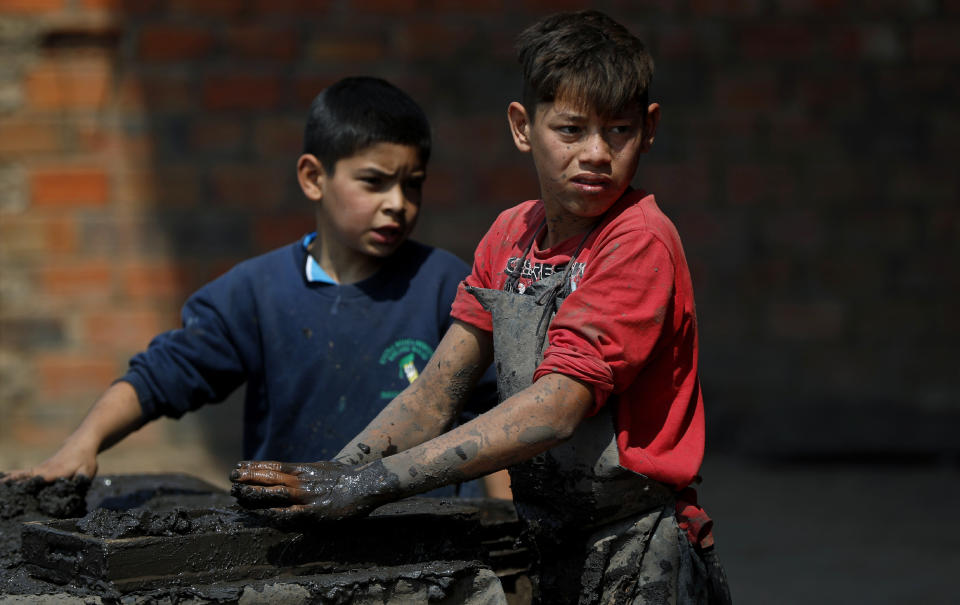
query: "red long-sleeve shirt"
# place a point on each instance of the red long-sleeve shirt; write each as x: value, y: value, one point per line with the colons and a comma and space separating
x: 628, y: 328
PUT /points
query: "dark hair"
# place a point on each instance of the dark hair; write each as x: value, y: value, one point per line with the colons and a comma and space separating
x: 586, y: 58
x: 355, y: 113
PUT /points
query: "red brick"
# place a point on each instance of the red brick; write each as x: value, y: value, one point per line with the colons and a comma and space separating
x: 551, y: 6
x: 935, y: 42
x: 218, y: 135
x: 761, y: 183
x: 426, y: 39
x: 167, y: 185
x: 21, y: 136
x: 62, y: 375
x: 726, y: 132
x: 213, y: 8
x: 346, y: 49
x: 923, y: 183
x: 174, y: 43
x: 241, y: 92
x: 801, y: 232
x: 128, y: 7
x: 830, y: 91
x: 292, y: 7
x: 677, y: 42
x: 22, y: 237
x: 274, y: 231
x: 384, y: 6
x: 80, y: 278
x: 156, y: 281
x: 305, y: 88
x: 677, y: 184
x: 488, y: 134
x: 508, y: 184
x: 279, y: 136
x: 747, y: 92
x: 816, y: 321
x: 97, y: 137
x: 260, y: 43
x: 715, y: 8
x: 776, y: 41
x: 492, y: 7
x: 883, y: 230
x: 217, y: 268
x: 69, y: 84
x: 768, y: 275
x: 945, y: 138
x: 443, y: 188
x: 31, y: 6
x: 33, y: 433
x: 157, y: 93
x: 247, y: 186
x: 102, y: 4
x: 865, y: 41
x: 69, y: 186
x: 810, y: 7
x: 123, y: 330
x: 60, y: 235
x: 891, y: 9
x: 796, y: 135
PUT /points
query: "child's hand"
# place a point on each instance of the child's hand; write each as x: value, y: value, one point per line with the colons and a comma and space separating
x: 330, y: 490
x: 71, y: 460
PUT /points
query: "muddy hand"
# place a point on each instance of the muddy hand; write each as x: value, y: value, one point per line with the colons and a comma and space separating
x: 330, y: 490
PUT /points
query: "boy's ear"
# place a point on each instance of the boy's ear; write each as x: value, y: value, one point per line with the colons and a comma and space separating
x: 519, y: 125
x: 311, y: 175
x: 650, y: 127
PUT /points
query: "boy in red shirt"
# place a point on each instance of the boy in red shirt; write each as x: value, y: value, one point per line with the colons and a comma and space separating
x: 584, y: 300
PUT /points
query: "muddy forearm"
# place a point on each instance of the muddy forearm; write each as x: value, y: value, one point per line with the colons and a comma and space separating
x: 408, y: 420
x: 427, y: 407
x: 539, y: 417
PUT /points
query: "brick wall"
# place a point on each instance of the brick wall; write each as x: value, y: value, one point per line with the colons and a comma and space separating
x: 807, y: 152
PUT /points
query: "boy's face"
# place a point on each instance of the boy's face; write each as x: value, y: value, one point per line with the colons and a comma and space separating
x: 369, y: 205
x: 584, y: 161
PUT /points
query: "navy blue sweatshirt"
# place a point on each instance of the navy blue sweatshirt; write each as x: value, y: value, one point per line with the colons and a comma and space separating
x: 319, y: 360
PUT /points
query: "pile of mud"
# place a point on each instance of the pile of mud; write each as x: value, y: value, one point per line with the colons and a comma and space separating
x: 34, y: 500
x: 59, y: 499
x: 170, y: 538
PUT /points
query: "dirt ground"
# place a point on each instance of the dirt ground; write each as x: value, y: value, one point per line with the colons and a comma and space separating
x: 789, y: 533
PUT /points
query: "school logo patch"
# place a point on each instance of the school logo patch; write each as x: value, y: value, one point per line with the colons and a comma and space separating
x: 404, y: 357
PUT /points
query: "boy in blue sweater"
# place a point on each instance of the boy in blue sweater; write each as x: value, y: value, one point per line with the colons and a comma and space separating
x: 324, y: 331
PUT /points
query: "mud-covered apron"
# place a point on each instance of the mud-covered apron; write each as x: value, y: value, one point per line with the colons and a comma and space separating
x: 580, y: 482
x: 575, y: 496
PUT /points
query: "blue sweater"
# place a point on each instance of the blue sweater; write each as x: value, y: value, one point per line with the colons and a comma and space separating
x: 319, y: 360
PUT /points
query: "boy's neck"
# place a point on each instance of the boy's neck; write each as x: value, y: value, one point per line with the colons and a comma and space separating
x: 343, y: 268
x: 560, y: 227
x: 562, y: 224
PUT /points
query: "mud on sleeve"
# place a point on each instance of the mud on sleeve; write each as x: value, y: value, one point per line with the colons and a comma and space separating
x: 608, y: 328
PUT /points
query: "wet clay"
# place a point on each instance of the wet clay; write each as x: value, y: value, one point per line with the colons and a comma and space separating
x: 412, y: 551
x: 105, y: 523
x: 60, y: 499
x: 34, y: 499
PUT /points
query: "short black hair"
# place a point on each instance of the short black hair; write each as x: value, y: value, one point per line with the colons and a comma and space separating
x: 355, y: 113
x: 586, y: 58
